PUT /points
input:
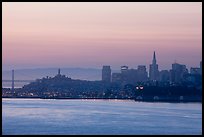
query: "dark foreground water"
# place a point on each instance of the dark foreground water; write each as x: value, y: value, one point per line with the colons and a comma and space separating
x: 38, y: 116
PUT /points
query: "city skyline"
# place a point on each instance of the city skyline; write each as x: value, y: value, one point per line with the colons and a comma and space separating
x: 90, y: 35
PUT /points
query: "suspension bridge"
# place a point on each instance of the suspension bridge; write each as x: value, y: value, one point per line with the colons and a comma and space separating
x: 13, y: 81
x: 17, y: 80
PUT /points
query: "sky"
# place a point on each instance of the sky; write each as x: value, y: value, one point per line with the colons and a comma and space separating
x: 93, y: 34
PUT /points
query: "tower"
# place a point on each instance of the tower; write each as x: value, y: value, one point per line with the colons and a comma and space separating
x: 12, y: 81
x: 141, y: 73
x: 153, y: 69
x: 106, y: 74
x: 178, y: 72
x: 154, y: 61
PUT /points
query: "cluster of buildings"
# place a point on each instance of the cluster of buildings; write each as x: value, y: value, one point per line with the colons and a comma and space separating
x: 177, y: 74
x: 175, y: 84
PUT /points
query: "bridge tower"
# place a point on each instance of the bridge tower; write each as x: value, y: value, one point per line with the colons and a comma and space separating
x: 12, y: 81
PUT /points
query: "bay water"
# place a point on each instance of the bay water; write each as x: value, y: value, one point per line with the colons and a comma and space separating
x: 99, y: 117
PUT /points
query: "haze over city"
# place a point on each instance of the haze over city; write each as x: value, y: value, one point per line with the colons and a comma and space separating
x: 90, y: 35
x: 100, y: 68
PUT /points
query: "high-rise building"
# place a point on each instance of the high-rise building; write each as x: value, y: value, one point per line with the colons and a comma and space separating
x: 177, y: 73
x: 124, y: 69
x: 124, y: 74
x: 128, y: 76
x: 106, y: 74
x: 141, y: 73
x: 153, y: 69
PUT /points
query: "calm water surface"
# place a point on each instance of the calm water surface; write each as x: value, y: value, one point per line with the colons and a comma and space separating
x: 38, y: 116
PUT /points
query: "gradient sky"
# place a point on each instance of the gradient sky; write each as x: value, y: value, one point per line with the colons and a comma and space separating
x: 95, y: 34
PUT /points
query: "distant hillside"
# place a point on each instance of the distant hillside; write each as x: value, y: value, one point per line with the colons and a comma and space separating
x: 75, y: 73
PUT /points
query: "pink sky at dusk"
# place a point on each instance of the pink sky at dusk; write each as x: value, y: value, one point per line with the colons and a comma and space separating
x: 90, y: 35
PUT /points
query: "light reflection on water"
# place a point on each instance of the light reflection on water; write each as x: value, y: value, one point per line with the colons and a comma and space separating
x: 38, y: 116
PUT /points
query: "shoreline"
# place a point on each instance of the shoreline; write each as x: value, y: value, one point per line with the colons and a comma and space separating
x: 145, y: 100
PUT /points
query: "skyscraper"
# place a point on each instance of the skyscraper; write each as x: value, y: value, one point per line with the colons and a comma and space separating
x: 106, y: 74
x: 153, y: 69
x: 124, y: 69
x: 178, y: 72
x: 141, y: 73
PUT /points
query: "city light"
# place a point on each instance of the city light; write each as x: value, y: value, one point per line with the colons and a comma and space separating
x: 140, y: 87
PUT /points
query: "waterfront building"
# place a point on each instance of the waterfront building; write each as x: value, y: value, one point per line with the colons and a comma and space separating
x: 106, y: 74
x: 153, y: 69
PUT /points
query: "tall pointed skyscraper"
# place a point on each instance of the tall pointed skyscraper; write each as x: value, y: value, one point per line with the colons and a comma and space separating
x: 154, y: 59
x: 153, y: 69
